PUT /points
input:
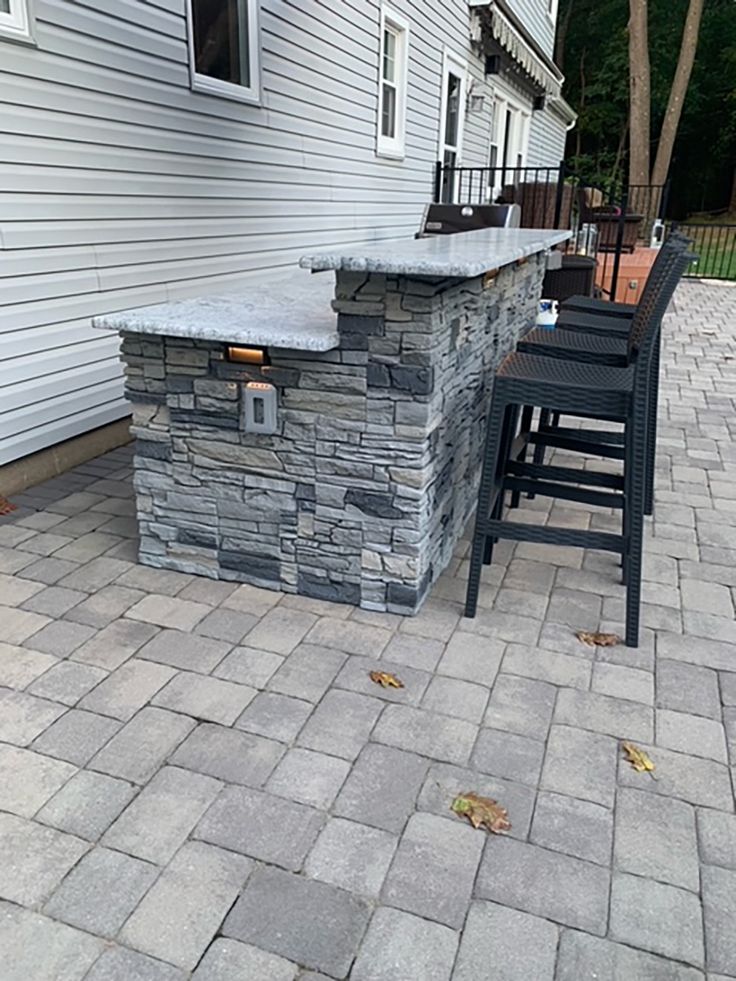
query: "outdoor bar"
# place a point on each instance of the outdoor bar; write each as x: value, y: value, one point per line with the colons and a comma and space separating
x: 324, y: 435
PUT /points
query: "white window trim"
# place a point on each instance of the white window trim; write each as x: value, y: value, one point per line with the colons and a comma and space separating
x: 17, y: 25
x: 229, y: 90
x: 393, y: 147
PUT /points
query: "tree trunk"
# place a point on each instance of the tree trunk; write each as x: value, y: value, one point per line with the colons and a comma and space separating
x: 639, y: 92
x: 562, y: 29
x: 678, y: 91
x: 732, y: 205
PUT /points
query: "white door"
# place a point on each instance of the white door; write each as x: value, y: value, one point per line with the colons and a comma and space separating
x: 452, y: 113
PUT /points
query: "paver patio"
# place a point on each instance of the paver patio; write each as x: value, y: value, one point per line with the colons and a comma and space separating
x: 198, y: 779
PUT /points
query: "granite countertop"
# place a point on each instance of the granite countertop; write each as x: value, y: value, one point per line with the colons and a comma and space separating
x: 293, y: 312
x: 463, y: 255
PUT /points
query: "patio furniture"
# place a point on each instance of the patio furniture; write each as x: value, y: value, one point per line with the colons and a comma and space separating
x: 619, y: 394
x: 538, y: 203
x: 575, y: 276
x: 608, y: 219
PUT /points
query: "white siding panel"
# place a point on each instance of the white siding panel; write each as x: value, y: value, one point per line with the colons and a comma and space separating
x: 120, y: 187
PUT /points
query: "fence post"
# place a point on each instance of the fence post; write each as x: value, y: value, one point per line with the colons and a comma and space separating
x: 560, y: 193
x: 664, y: 200
x: 619, y: 244
x: 437, y: 182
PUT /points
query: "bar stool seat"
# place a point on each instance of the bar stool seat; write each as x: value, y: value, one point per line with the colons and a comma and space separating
x: 595, y: 348
x: 588, y: 304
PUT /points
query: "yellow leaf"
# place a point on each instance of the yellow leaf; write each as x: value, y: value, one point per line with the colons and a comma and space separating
x: 638, y: 758
x: 598, y: 640
x: 385, y: 679
x: 482, y: 811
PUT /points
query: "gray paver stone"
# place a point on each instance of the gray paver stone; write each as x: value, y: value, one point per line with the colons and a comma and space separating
x: 656, y: 837
x: 307, y: 673
x: 19, y: 666
x: 115, y: 644
x: 521, y: 705
x: 87, y: 804
x: 382, y: 787
x: 575, y: 827
x: 305, y: 921
x: 277, y: 716
x: 341, y: 724
x: 128, y: 689
x: 229, y: 960
x: 181, y: 913
x: 691, y: 734
x: 161, y: 817
x: 657, y: 917
x: 400, y: 945
x: 186, y: 651
x: 593, y: 777
x: 520, y: 947
x: 691, y: 778
x: 351, y: 856
x: 243, y: 821
x: 420, y: 653
x: 249, y: 666
x: 471, y: 658
x: 67, y: 682
x: 35, y: 947
x: 230, y: 755
x: 355, y: 676
x: 28, y: 779
x: 23, y: 717
x: 139, y: 748
x: 551, y: 666
x: 434, y: 869
x: 210, y: 699
x: 719, y: 903
x: 76, y: 736
x: 101, y: 892
x: 506, y: 754
x: 451, y: 696
x: 584, y: 957
x: 60, y: 638
x: 121, y: 964
x: 34, y: 859
x: 686, y: 687
x: 308, y: 777
x: 415, y: 730
x: 545, y: 883
x: 601, y: 713
x: 717, y: 834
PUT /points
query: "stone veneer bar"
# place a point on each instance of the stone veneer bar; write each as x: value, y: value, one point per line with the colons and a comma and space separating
x: 364, y: 489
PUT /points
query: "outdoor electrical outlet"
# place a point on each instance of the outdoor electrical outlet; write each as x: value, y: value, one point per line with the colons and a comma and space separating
x: 633, y: 284
x: 259, y: 408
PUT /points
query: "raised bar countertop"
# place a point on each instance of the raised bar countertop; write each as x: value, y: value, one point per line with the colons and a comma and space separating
x: 463, y: 255
x: 293, y: 312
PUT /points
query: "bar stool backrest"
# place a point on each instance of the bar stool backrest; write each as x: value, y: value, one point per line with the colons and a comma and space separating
x: 648, y: 331
x: 662, y: 279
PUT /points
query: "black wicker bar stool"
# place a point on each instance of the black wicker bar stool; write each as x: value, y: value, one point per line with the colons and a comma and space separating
x: 605, y: 340
x: 576, y: 388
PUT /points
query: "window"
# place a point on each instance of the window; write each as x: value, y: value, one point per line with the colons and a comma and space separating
x: 394, y: 52
x: 223, y: 48
x: 452, y: 106
x: 15, y: 20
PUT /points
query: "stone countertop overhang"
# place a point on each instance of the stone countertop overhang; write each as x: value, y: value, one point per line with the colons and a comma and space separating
x: 461, y: 256
x: 295, y: 312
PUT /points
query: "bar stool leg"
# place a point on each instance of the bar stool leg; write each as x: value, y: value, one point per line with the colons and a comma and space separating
x: 544, y: 417
x: 494, y: 433
x: 635, y: 480
x: 526, y: 425
x: 652, y: 426
x: 510, y: 424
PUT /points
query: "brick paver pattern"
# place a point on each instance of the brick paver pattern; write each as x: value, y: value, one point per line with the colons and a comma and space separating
x: 199, y: 780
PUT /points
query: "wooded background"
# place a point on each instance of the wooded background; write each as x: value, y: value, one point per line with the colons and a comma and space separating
x: 593, y: 51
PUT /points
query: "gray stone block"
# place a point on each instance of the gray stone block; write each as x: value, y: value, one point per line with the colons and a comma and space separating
x: 657, y: 917
x: 575, y: 827
x: 280, y: 630
x: 180, y: 915
x: 24, y: 717
x: 521, y: 946
x: 205, y: 698
x: 87, y: 804
x: 545, y: 883
x: 446, y: 739
x: 54, y: 601
x: 76, y: 736
x: 719, y: 904
x: 355, y: 676
x: 229, y: 755
x: 582, y: 956
x: 593, y: 777
x: 67, y: 682
x: 60, y: 638
x: 688, y: 778
x: 506, y: 754
x: 34, y: 859
x: 717, y: 835
x: 186, y: 651
x: 307, y: 673
x: 276, y: 716
x: 434, y: 869
x: 101, y: 892
x: 521, y: 705
x: 655, y: 837
x: 242, y: 820
x: 461, y: 699
x: 309, y: 778
x: 36, y: 947
x: 691, y: 734
x: 128, y: 689
x: 249, y: 666
x: 302, y: 920
x: 399, y: 945
x: 601, y: 713
x: 141, y: 746
x: 28, y: 779
x: 551, y: 666
x: 161, y: 818
x: 115, y: 644
x: 382, y: 787
x: 229, y: 960
x: 471, y: 658
x: 686, y: 687
x: 351, y: 856
x: 121, y: 964
x: 19, y: 666
x: 341, y: 724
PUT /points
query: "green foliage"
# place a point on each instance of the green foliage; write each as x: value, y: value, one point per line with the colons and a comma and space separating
x: 596, y: 66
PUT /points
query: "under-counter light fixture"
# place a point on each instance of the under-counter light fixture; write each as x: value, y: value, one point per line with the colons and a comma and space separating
x: 247, y: 355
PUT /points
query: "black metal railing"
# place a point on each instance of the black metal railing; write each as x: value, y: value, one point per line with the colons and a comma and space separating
x: 715, y: 246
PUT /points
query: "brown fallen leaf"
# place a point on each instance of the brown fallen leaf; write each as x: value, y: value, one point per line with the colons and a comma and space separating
x: 640, y: 761
x: 482, y: 811
x: 598, y: 640
x: 385, y: 679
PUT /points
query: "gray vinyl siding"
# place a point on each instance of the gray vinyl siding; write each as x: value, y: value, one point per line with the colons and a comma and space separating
x: 120, y: 187
x: 547, y: 136
x: 533, y: 15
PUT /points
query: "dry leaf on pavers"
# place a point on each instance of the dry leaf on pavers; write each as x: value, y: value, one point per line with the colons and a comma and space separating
x: 482, y: 811
x: 598, y: 640
x: 638, y: 759
x: 385, y: 679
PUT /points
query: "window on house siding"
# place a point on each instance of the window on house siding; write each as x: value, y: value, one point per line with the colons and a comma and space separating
x: 394, y: 53
x: 15, y: 20
x: 223, y: 48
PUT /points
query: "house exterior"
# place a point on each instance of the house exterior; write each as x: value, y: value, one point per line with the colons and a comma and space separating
x: 156, y: 149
